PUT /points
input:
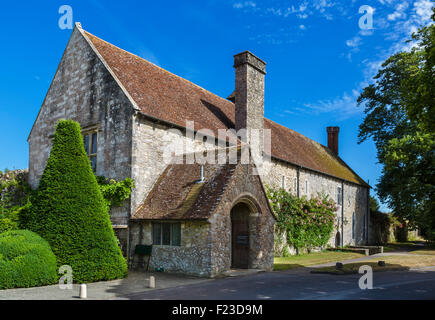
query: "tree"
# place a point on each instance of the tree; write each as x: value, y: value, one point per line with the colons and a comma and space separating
x: 374, y: 204
x: 400, y: 117
x: 69, y: 211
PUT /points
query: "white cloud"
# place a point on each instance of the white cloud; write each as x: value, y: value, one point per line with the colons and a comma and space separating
x: 423, y: 8
x: 354, y: 42
x: 344, y: 106
x: 399, y: 13
x: 302, y: 15
x: 246, y: 4
x: 302, y: 27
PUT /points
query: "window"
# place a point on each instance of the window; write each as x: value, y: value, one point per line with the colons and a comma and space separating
x: 167, y: 234
x: 353, y: 225
x: 306, y: 187
x: 283, y: 182
x: 90, y: 140
x: 296, y: 185
x: 339, y: 196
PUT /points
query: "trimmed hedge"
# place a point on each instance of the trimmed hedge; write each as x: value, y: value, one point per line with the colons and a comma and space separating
x: 26, y: 260
x: 69, y: 211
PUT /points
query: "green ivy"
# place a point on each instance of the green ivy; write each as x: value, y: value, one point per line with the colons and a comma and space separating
x: 308, y: 223
x: 115, y: 192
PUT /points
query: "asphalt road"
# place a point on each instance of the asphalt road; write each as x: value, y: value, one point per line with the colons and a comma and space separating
x: 300, y: 284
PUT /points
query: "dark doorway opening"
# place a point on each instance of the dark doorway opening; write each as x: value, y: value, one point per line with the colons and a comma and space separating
x: 240, y: 236
x: 338, y: 240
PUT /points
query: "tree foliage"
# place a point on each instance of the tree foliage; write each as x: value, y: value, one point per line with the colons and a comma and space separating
x: 69, y: 211
x: 14, y: 197
x: 26, y: 260
x: 400, y: 118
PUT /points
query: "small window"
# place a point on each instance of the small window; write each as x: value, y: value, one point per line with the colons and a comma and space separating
x: 339, y: 196
x: 167, y: 234
x: 283, y: 182
x: 306, y: 187
x: 157, y: 233
x: 296, y: 185
x: 176, y: 234
x: 90, y: 141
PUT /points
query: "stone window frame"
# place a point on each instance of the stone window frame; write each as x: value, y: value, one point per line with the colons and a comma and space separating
x: 171, y: 238
x: 307, y: 187
x: 89, y: 132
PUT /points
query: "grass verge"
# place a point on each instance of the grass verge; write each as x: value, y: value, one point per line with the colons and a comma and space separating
x: 304, y: 260
x: 392, y: 263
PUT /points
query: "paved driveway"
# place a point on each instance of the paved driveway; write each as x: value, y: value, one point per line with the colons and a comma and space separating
x: 300, y: 284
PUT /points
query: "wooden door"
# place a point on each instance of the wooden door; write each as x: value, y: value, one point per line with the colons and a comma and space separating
x: 240, y: 236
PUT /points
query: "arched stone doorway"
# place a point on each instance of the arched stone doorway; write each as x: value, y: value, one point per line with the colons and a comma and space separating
x: 240, y: 236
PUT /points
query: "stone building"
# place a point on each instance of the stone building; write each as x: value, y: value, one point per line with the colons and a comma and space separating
x: 201, y: 218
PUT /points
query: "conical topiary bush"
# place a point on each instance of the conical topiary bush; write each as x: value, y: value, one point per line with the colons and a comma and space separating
x: 68, y: 210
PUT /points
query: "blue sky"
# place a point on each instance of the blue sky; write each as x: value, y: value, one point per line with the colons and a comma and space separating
x: 318, y: 58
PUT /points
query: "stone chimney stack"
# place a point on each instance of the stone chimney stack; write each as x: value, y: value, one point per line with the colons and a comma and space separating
x: 249, y: 93
x: 333, y: 139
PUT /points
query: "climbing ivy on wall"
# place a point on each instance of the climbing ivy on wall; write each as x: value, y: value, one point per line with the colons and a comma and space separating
x: 115, y: 192
x: 307, y: 223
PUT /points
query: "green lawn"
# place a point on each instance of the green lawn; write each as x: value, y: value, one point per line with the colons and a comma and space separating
x: 400, y: 246
x: 392, y: 263
x: 303, y: 260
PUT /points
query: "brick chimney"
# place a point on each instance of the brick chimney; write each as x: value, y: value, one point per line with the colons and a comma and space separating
x: 249, y: 92
x: 333, y: 139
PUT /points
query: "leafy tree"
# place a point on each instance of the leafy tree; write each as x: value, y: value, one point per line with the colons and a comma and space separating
x: 374, y: 204
x: 400, y: 119
x: 69, y: 211
x: 14, y: 197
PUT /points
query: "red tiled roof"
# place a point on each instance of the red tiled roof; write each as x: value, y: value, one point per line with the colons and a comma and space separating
x: 163, y: 95
x: 177, y: 195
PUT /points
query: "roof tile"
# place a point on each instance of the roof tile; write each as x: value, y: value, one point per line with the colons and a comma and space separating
x: 163, y: 95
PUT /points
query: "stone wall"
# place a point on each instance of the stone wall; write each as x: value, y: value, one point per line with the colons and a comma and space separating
x: 191, y: 257
x: 243, y: 187
x: 83, y: 90
x: 205, y: 248
x: 151, y: 142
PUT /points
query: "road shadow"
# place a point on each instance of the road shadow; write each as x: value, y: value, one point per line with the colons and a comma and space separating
x: 138, y: 281
x: 287, y: 266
